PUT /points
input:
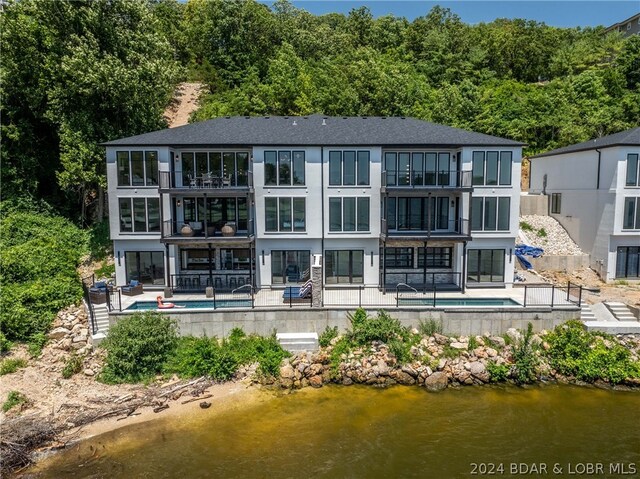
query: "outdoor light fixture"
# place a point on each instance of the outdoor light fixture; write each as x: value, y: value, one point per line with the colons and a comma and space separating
x: 510, y: 255
x: 179, y: 203
x: 119, y: 259
x: 372, y: 258
x: 262, y: 257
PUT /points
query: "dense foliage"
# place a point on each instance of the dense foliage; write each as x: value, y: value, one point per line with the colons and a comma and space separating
x: 39, y: 252
x: 588, y: 356
x: 77, y: 73
x: 220, y: 359
x: 138, y: 347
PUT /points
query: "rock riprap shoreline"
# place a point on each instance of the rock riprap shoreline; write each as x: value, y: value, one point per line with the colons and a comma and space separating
x: 436, y: 362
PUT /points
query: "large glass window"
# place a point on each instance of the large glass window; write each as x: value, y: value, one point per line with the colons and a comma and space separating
x: 348, y: 168
x: 235, y: 259
x: 398, y: 257
x: 290, y: 266
x: 139, y: 215
x: 490, y: 213
x: 435, y: 257
x: 196, y: 259
x: 485, y: 266
x: 145, y: 266
x: 491, y: 168
x: 418, y: 214
x: 285, y: 214
x: 631, y: 218
x: 137, y: 168
x: 344, y: 266
x: 633, y: 170
x: 226, y: 168
x: 628, y: 262
x: 218, y: 212
x: 417, y: 168
x: 556, y: 203
x: 284, y: 168
x: 349, y: 214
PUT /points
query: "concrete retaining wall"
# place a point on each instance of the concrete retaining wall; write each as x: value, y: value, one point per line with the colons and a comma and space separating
x: 534, y: 205
x: 565, y: 263
x: 297, y: 320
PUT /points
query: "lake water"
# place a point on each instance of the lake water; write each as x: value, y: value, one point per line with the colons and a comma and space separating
x: 363, y: 432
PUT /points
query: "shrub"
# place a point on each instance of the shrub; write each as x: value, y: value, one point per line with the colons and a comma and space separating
x: 430, y: 327
x: 524, y: 226
x: 342, y: 346
x: 5, y: 344
x: 400, y: 350
x: 588, y: 356
x: 449, y: 352
x: 542, y: 233
x: 72, y: 366
x: 327, y: 335
x: 498, y: 372
x: 14, y: 398
x: 524, y: 358
x: 138, y: 346
x: 8, y: 366
x: 36, y: 343
x: 381, y: 328
x: 473, y: 343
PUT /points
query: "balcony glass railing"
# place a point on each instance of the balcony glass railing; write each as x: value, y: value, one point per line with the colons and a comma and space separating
x: 439, y: 226
x: 426, y: 179
x: 236, y: 180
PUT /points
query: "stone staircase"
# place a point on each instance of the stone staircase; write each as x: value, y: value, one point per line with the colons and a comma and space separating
x: 586, y: 314
x: 102, y: 321
x: 620, y: 311
x: 296, y: 342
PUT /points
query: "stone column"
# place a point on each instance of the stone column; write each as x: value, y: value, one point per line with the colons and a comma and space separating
x: 316, y: 282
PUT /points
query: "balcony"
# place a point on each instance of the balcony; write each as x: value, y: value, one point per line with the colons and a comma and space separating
x: 235, y: 184
x: 442, y: 229
x: 417, y: 183
x: 180, y: 232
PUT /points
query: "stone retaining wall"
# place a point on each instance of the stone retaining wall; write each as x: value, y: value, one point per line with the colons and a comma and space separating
x: 460, y: 321
x: 566, y: 263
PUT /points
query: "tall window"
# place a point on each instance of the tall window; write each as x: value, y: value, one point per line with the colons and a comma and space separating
x: 349, y: 168
x: 344, y: 266
x: 435, y: 257
x: 285, y: 214
x: 631, y: 218
x: 230, y: 168
x: 417, y: 168
x: 284, y: 168
x: 419, y: 214
x: 556, y: 203
x: 137, y: 168
x: 633, y: 170
x: 139, y: 215
x: 144, y: 266
x: 485, y: 266
x: 349, y: 214
x: 490, y: 213
x: 491, y: 168
x: 628, y: 262
x: 290, y: 266
x: 235, y: 259
x: 218, y: 211
x: 398, y: 257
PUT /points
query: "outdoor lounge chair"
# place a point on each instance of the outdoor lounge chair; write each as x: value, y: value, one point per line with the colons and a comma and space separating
x: 134, y: 287
x: 98, y: 292
x: 297, y: 294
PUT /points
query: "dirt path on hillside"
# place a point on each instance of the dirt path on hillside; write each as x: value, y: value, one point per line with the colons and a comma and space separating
x: 184, y: 103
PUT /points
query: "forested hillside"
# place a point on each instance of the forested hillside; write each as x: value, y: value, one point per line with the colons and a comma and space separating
x: 76, y: 73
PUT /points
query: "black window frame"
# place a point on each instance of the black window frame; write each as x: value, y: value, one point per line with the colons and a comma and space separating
x: 297, y: 165
x: 398, y: 257
x: 131, y: 200
x: 480, y: 161
x: 281, y: 222
x: 556, y: 203
x: 436, y: 257
x: 630, y: 264
x: 338, y: 167
x: 633, y: 170
x: 475, y: 278
x: 486, y: 221
x: 344, y: 202
x: 124, y: 168
x: 351, y: 276
x: 286, y: 274
x: 631, y: 213
x: 154, y: 277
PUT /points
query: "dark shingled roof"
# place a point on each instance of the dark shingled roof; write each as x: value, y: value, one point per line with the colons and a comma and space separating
x: 313, y: 130
x: 628, y: 137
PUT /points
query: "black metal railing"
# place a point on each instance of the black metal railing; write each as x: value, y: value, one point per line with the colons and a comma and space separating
x: 407, y: 295
x: 87, y: 297
x: 218, y: 280
x: 428, y: 179
x: 417, y: 225
x: 552, y: 295
x: 421, y: 281
x: 200, y: 229
x: 206, y: 181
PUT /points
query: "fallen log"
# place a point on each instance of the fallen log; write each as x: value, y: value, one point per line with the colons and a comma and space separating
x: 197, y: 398
x: 178, y: 388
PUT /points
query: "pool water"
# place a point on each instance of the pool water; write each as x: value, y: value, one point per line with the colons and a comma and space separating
x: 458, y: 302
x: 208, y: 304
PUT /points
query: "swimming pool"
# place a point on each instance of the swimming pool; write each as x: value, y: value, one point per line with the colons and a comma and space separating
x: 208, y: 304
x: 458, y: 302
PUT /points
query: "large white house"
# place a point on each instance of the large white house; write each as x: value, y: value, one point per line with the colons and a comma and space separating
x: 251, y: 200
x: 594, y: 191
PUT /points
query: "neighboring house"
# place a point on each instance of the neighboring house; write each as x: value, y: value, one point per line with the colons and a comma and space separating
x: 630, y: 26
x: 594, y: 191
x: 381, y: 200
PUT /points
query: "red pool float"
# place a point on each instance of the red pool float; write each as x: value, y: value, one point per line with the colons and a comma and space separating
x: 162, y: 305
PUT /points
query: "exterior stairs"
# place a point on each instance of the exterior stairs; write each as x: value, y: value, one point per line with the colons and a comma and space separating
x: 101, y: 314
x: 586, y: 314
x: 297, y: 342
x: 620, y: 311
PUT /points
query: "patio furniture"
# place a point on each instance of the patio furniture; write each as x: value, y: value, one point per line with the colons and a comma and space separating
x: 296, y: 294
x: 98, y: 292
x: 133, y: 288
